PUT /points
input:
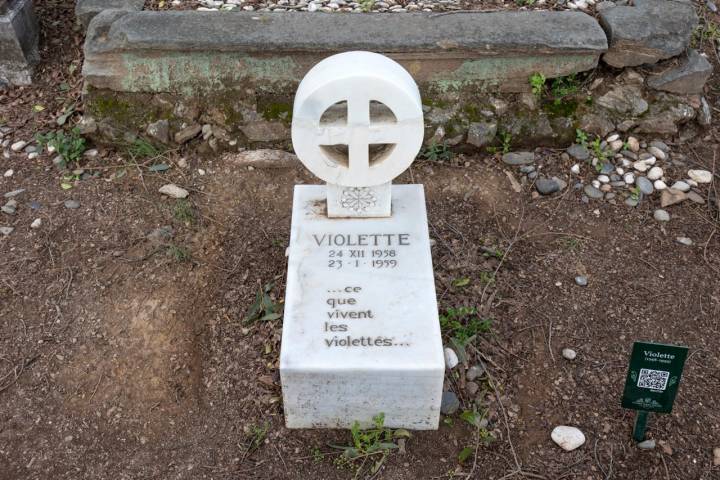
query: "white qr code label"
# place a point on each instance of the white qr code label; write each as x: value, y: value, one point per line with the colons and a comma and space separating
x: 653, y: 379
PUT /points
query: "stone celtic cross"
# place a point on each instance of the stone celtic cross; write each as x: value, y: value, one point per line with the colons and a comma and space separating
x: 357, y: 124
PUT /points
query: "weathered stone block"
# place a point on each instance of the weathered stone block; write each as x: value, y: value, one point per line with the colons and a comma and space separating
x: 18, y: 42
x: 688, y: 78
x: 650, y: 31
x: 199, y: 52
x: 86, y: 10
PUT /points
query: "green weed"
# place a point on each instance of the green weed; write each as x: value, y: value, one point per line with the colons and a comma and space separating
x: 263, y: 308
x: 183, y: 211
x: 537, y: 83
x: 506, y: 140
x: 462, y: 324
x: 70, y: 146
x: 366, y: 5
x: 141, y: 148
x: 563, y: 86
x: 255, y: 437
x: 179, y: 253
x: 437, y: 152
x: 581, y: 137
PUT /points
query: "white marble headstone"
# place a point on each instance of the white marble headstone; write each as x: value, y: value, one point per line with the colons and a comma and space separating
x: 361, y: 334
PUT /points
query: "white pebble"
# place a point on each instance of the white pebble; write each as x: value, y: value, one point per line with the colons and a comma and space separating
x: 661, y: 215
x: 659, y: 185
x: 633, y: 144
x: 612, y: 137
x: 36, y: 223
x: 616, y: 145
x: 172, y: 190
x: 700, y: 176
x: 451, y: 358
x: 575, y: 169
x: 640, y: 166
x: 685, y: 241
x: 201, y: 171
x: 312, y: 7
x: 33, y: 155
x: 626, y: 163
x: 620, y: 170
x: 629, y: 178
x: 655, y: 173
x: 51, y: 149
x: 680, y: 186
x: 17, y: 146
x: 8, y: 173
x: 603, y: 178
x: 595, y: 183
x: 656, y: 152
x: 568, y: 438
x: 569, y: 353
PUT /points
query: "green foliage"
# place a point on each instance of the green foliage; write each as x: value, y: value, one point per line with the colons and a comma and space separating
x: 537, y: 83
x: 635, y: 193
x: 317, y: 455
x: 374, y: 443
x: 595, y: 146
x: 69, y: 146
x: 437, y: 152
x: 255, y: 437
x: 524, y: 3
x: 263, y: 308
x: 506, y: 139
x: 179, y: 253
x: 183, y: 211
x: 141, y: 148
x: 366, y: 5
x: 563, y: 86
x: 709, y: 31
x: 462, y: 324
x: 572, y: 243
x: 487, y: 278
x: 461, y: 282
x: 581, y: 137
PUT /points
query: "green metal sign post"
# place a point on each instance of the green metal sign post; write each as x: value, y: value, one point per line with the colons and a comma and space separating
x: 652, y: 381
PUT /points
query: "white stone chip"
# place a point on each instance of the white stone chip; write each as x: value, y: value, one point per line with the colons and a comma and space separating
x: 451, y: 358
x: 700, y: 176
x: 568, y: 438
x: 569, y: 353
x: 172, y: 190
x: 655, y: 173
x: 36, y: 223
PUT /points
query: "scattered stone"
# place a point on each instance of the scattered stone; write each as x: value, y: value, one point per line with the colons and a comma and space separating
x: 670, y: 196
x: 689, y: 78
x: 17, y: 146
x: 598, y: 123
x: 581, y: 280
x: 562, y: 184
x: 187, y: 134
x: 546, y: 186
x: 472, y: 387
x: 700, y: 176
x: 266, y: 131
x: 37, y: 223
x: 6, y: 230
x: 655, y: 173
x: 160, y: 131
x: 716, y: 456
x: 629, y: 178
x: 14, y: 193
x: 624, y: 99
x: 9, y: 207
x: 641, y: 166
x: 659, y: 185
x: 568, y: 438
x: 592, y: 192
x: 695, y: 197
x: 518, y: 158
x: 92, y: 153
x: 72, y: 204
x: 578, y: 152
x: 648, y: 444
x: 631, y: 202
x: 633, y: 144
x: 705, y: 113
x: 569, y: 353
x: 657, y: 153
x: 264, y: 158
x: 172, y: 190
x: 645, y: 185
x: 474, y: 372
x: 661, y: 215
x: 575, y: 169
x: 449, y: 403
x: 684, y: 241
x: 8, y: 173
x: 87, y: 125
x: 451, y: 358
x: 527, y: 168
x: 481, y: 133
x: 532, y: 175
x: 680, y: 186
x: 649, y: 31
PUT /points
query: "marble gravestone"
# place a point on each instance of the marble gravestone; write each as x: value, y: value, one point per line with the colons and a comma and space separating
x: 361, y: 334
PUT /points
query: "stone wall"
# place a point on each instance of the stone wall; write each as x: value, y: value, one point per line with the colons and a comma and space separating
x: 172, y: 76
x: 18, y: 42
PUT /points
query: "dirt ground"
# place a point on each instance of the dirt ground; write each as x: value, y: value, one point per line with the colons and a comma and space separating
x: 126, y: 357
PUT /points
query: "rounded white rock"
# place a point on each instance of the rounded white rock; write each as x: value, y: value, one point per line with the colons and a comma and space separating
x: 568, y: 438
x: 612, y: 137
x: 659, y: 185
x: 17, y: 146
x: 661, y: 215
x: 629, y: 178
x: 569, y: 353
x: 451, y: 358
x: 616, y: 145
x: 657, y: 153
x: 680, y: 186
x: 640, y: 166
x: 633, y: 144
x: 655, y: 173
x: 595, y: 183
x: 36, y: 223
x: 575, y: 169
x: 700, y: 176
x: 620, y: 170
x: 8, y: 173
x: 603, y: 178
x: 172, y: 190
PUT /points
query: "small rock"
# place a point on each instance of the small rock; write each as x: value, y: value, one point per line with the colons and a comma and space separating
x: 680, y: 186
x: 695, y: 197
x: 568, y: 438
x: 172, y: 190
x: 6, y: 230
x: 8, y: 173
x: 569, y: 353
x: 670, y: 196
x: 603, y: 179
x: 595, y: 183
x: 578, y: 152
x: 640, y: 166
x: 645, y: 185
x: 92, y: 153
x: 581, y: 280
x: 575, y: 169
x: 17, y: 146
x: 187, y: 134
x: 518, y: 158
x: 612, y: 138
x: 592, y: 192
x: 661, y: 215
x: 451, y: 358
x: 159, y: 130
x: 684, y: 241
x: 72, y: 204
x: 449, y: 403
x: 546, y: 186
x: 8, y: 208
x: 14, y: 193
x: 37, y: 223
x: 481, y: 133
x: 716, y: 456
x: 472, y: 387
x: 655, y: 173
x: 647, y: 444
x: 474, y: 372
x: 633, y: 144
x: 660, y: 145
x: 659, y: 185
x: 657, y: 153
x: 631, y: 202
x: 629, y: 178
x: 700, y: 176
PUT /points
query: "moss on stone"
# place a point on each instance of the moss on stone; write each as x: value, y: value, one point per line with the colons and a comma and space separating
x: 560, y: 108
x: 277, y: 111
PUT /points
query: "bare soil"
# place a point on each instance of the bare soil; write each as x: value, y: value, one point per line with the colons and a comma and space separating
x: 123, y: 357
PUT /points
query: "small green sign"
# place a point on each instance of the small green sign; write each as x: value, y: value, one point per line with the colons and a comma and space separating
x: 653, y: 377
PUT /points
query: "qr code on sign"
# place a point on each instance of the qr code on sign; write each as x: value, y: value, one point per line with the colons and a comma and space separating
x: 653, y: 379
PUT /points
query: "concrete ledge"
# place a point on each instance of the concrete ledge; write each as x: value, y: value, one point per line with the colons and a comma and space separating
x: 18, y: 42
x: 193, y: 53
x: 86, y: 10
